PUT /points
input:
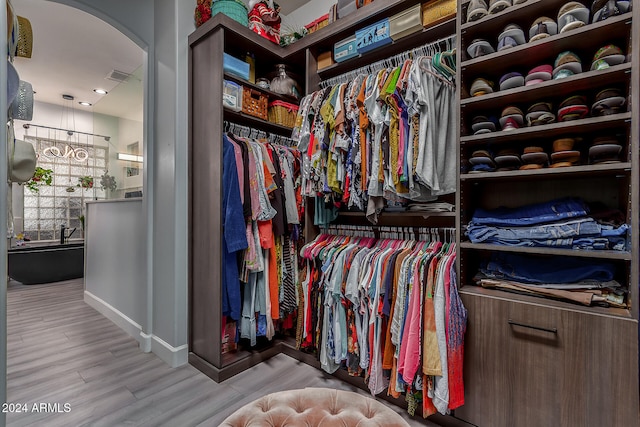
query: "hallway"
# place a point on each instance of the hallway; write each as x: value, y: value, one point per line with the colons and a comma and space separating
x: 61, y: 351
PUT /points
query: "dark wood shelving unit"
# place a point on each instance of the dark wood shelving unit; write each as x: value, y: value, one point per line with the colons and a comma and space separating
x: 530, y: 344
x: 573, y: 171
x: 544, y: 302
x: 615, y: 255
x: 256, y: 122
x: 273, y: 96
x: 582, y: 126
x: 526, y: 95
x: 425, y: 36
x: 532, y: 54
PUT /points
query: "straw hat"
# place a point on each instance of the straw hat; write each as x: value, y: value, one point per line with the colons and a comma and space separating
x: 25, y: 38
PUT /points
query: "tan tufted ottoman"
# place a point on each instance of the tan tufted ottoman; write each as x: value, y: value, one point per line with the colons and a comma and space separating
x: 314, y: 407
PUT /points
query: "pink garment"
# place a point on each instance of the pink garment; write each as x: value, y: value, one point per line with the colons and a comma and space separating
x: 411, y: 346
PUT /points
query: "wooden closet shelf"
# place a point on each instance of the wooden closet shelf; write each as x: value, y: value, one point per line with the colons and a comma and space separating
x: 326, y: 37
x: 544, y: 302
x: 427, y: 35
x: 579, y: 84
x: 251, y: 121
x: 611, y: 255
x: 271, y: 94
x: 530, y: 55
x: 584, y: 126
x: 529, y: 9
x: 545, y: 173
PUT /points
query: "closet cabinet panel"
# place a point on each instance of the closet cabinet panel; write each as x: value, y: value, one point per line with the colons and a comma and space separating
x: 511, y: 363
x: 527, y: 365
x: 598, y: 351
x: 486, y: 362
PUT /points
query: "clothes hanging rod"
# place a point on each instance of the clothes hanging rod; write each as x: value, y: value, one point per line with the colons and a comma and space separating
x: 68, y: 131
x: 366, y: 69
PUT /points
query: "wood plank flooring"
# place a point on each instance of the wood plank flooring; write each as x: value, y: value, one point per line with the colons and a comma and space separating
x: 62, y: 351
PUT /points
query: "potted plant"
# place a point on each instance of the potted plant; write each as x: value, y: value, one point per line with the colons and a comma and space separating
x: 108, y: 182
x: 40, y: 177
x: 85, y: 181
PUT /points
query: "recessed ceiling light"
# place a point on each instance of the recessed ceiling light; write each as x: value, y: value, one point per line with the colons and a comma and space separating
x: 100, y: 91
x: 86, y: 104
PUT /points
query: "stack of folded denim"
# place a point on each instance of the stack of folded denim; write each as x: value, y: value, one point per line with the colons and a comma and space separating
x: 576, y: 279
x: 561, y: 223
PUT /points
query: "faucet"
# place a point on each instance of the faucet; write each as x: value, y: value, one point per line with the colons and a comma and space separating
x: 64, y: 237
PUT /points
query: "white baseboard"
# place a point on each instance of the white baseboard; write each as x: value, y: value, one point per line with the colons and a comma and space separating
x: 115, y: 315
x: 173, y: 356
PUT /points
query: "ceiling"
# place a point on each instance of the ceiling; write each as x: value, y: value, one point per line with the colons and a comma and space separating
x: 73, y: 53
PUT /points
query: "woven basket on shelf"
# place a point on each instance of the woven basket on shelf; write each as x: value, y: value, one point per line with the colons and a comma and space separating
x: 234, y: 9
x: 254, y: 103
x: 283, y: 113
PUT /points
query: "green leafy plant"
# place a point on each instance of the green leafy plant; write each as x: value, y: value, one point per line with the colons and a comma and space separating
x: 108, y: 182
x: 85, y: 181
x: 40, y: 177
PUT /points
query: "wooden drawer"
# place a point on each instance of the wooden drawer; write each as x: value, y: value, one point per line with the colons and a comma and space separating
x: 531, y: 365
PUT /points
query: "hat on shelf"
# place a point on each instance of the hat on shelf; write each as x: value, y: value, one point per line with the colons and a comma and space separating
x: 13, y: 83
x: 607, y: 56
x: 496, y: 6
x: 563, y: 153
x: 511, y: 118
x: 540, y: 114
x: 514, y: 33
x: 605, y: 149
x: 573, y: 108
x: 22, y: 105
x: 479, y: 47
x: 483, y: 124
x: 603, y: 9
x: 481, y: 86
x: 572, y: 15
x: 477, y: 9
x: 539, y: 74
x: 511, y: 80
x: 566, y: 64
x: 534, y: 157
x: 482, y: 161
x: 608, y: 101
x: 25, y: 38
x: 541, y: 28
x: 507, y: 159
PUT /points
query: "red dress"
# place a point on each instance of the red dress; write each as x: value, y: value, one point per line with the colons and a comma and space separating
x: 265, y: 21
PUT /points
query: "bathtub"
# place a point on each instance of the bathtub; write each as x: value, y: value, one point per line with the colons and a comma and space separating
x: 32, y: 265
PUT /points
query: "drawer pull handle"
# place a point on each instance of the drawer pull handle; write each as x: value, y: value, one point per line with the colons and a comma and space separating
x: 538, y: 328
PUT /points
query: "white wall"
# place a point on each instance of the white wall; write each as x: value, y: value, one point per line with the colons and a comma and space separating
x: 306, y: 14
x: 130, y: 131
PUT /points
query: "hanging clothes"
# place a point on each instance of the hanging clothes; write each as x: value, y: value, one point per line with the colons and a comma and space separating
x: 387, y: 310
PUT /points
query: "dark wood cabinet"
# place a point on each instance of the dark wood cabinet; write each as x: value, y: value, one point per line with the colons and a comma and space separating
x: 527, y: 364
x: 533, y: 361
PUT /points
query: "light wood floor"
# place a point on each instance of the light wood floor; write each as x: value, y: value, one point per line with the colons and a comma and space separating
x: 60, y: 350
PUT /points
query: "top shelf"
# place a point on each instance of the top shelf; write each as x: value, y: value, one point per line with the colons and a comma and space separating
x: 530, y: 54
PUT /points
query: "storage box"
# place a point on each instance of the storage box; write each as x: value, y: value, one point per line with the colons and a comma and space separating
x: 283, y: 113
x: 346, y: 8
x: 406, y: 22
x: 321, y: 22
x: 232, y: 95
x: 325, y: 60
x: 235, y: 67
x: 437, y: 11
x: 346, y: 49
x: 254, y: 103
x: 373, y: 36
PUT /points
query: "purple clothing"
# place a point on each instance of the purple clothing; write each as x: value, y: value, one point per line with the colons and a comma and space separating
x: 234, y: 237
